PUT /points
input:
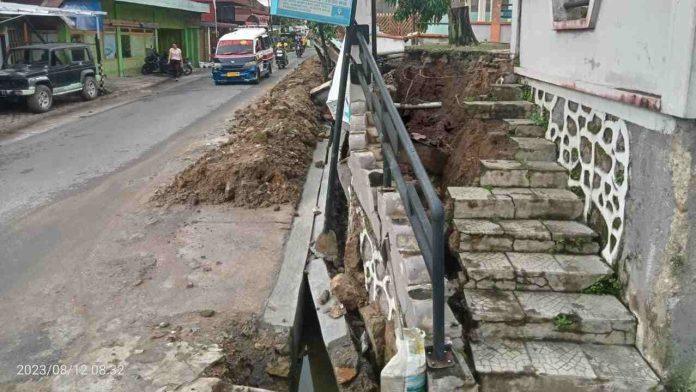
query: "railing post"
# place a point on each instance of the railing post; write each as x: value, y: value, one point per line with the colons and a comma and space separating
x: 338, y: 128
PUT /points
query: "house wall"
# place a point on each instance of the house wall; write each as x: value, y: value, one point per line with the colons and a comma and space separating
x: 639, y: 184
x: 645, y: 46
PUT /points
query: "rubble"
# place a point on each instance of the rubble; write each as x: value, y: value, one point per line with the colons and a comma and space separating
x: 348, y: 291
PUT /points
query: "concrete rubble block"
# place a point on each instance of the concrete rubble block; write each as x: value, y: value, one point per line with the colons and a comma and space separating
x: 358, y: 107
x: 357, y: 141
x: 372, y: 134
x: 471, y: 202
x: 361, y: 160
x: 375, y: 324
x: 389, y: 205
x: 590, y: 318
x: 534, y: 149
x: 376, y: 150
x: 348, y: 291
x: 240, y: 388
x: 358, y: 123
x: 485, y: 270
x: 403, y: 239
x: 414, y: 270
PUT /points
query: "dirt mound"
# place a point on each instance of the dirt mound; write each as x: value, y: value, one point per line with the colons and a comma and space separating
x: 267, y: 156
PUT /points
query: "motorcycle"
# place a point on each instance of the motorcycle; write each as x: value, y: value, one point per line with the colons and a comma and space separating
x: 299, y: 49
x: 155, y: 63
x: 281, y: 58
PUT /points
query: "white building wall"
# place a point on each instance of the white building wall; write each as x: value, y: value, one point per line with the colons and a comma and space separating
x: 643, y: 46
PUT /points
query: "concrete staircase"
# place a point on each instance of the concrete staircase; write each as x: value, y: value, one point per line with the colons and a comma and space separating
x: 526, y: 261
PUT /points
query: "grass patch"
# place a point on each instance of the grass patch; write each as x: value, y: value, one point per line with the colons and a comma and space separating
x: 564, y: 322
x: 527, y: 93
x: 608, y: 285
x: 540, y: 117
x: 446, y: 49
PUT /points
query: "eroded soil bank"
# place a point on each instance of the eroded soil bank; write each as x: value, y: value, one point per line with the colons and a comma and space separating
x: 450, y: 143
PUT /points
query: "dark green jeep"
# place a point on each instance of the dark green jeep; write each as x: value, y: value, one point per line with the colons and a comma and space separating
x: 37, y: 73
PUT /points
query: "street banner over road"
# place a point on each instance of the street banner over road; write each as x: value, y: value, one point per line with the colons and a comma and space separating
x: 336, y: 12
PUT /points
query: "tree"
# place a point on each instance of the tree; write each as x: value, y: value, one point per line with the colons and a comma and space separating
x: 460, y: 31
x: 422, y: 11
x: 431, y: 11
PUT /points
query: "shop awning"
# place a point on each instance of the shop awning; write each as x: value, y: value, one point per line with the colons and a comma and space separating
x: 184, y: 5
x: 34, y: 10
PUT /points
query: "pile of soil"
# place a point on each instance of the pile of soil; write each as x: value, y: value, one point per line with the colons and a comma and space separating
x: 450, y: 143
x: 255, y: 356
x: 268, y: 154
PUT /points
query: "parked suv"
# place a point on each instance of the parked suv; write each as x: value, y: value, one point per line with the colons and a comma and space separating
x: 37, y: 73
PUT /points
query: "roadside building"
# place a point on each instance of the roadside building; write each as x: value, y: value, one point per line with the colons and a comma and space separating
x: 130, y: 27
x: 618, y: 82
x: 227, y: 16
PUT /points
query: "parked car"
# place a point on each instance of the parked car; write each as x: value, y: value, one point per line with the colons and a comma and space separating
x: 37, y: 73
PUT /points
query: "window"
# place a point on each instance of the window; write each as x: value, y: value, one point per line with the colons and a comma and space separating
x: 267, y: 42
x: 60, y: 57
x: 575, y: 14
x: 126, y: 46
x: 80, y: 55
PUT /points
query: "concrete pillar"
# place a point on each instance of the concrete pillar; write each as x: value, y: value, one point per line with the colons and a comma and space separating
x: 119, y: 55
x: 481, y: 10
x: 495, y: 20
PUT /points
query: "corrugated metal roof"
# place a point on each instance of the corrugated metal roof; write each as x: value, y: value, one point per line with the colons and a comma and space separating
x: 185, y: 5
x: 33, y: 10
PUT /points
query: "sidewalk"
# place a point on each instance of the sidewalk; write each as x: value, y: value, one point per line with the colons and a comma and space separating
x: 16, y: 116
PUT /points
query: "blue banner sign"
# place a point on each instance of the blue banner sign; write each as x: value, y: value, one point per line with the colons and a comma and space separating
x: 336, y: 12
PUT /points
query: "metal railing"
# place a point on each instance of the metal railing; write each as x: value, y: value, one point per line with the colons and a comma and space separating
x: 428, y: 223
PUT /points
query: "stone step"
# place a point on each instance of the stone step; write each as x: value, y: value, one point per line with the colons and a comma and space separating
x: 534, y: 149
x: 531, y: 271
x: 515, y: 174
x: 506, y: 92
x: 522, y: 235
x: 547, y: 315
x: 515, y: 203
x: 505, y: 365
x: 522, y: 127
x: 486, y: 110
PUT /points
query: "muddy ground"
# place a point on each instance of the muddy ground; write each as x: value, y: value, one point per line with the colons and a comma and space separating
x: 449, y: 142
x: 265, y: 160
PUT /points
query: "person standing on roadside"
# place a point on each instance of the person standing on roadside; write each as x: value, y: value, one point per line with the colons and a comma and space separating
x: 175, y: 60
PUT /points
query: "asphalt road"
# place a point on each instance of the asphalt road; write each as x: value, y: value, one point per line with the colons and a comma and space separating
x: 77, y: 236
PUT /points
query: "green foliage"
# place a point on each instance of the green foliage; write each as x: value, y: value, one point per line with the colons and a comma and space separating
x: 329, y: 31
x: 608, y: 285
x: 681, y: 382
x: 527, y: 93
x: 540, y: 117
x: 425, y: 11
x: 563, y: 322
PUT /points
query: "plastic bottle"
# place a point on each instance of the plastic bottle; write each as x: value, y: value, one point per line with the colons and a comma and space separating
x: 405, y: 372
